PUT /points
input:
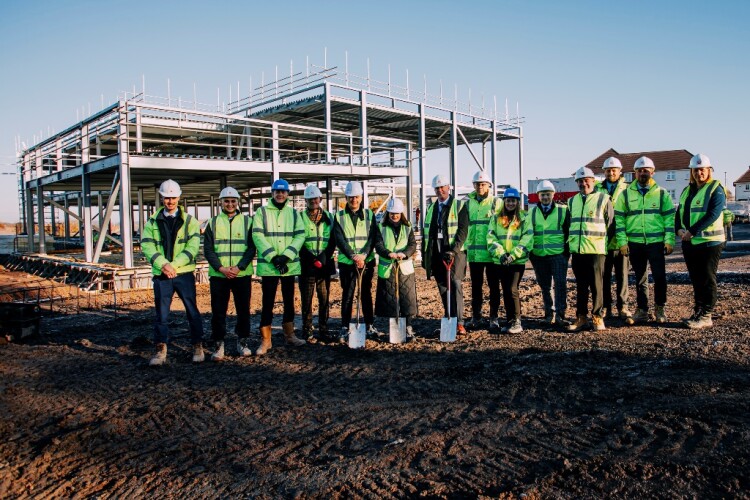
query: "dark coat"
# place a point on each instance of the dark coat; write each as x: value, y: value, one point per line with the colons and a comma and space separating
x: 432, y: 250
x: 385, y: 297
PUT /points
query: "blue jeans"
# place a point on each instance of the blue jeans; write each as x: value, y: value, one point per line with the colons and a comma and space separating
x: 164, y: 290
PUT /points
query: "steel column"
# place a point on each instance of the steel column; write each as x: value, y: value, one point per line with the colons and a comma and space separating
x: 327, y: 119
x: 409, y: 187
x: 422, y: 152
x: 363, y: 129
x: 275, y: 156
x: 66, y: 217
x: 453, y: 151
x: 493, y: 158
x: 88, y: 226
x: 329, y: 195
x: 520, y: 163
x: 141, y: 213
x: 30, y: 218
x: 40, y: 218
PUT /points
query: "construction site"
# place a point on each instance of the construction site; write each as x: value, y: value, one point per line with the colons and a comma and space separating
x: 635, y: 411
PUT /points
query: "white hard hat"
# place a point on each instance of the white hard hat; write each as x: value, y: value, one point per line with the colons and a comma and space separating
x: 612, y: 162
x: 545, y: 186
x: 700, y: 161
x: 395, y: 206
x: 481, y: 176
x: 584, y: 172
x: 644, y: 162
x: 229, y: 192
x: 439, y: 181
x: 312, y: 191
x: 353, y: 189
x: 170, y: 189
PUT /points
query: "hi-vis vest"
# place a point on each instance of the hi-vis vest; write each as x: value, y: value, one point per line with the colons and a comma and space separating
x: 620, y: 187
x: 356, y: 237
x: 186, y: 246
x: 517, y: 241
x: 390, y: 243
x: 549, y: 238
x: 588, y: 228
x: 230, y: 241
x: 698, y: 208
x: 480, y: 213
x: 452, y: 222
x: 317, y: 236
x: 645, y: 218
x: 278, y: 232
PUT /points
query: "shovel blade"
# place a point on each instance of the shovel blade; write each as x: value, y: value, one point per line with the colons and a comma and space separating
x: 397, y: 330
x: 448, y: 329
x: 356, y: 335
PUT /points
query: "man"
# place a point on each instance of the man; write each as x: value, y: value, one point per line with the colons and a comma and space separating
x: 446, y: 226
x: 591, y: 217
x: 229, y: 249
x: 481, y: 206
x: 171, y: 241
x: 356, y: 233
x: 316, y: 258
x: 614, y: 185
x: 549, y: 256
x: 278, y: 233
x: 645, y: 230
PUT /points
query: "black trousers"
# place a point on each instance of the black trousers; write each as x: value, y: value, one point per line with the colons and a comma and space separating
x: 478, y: 270
x: 268, y: 285
x: 651, y: 255
x: 587, y: 269
x: 615, y: 260
x: 457, y: 288
x: 510, y: 277
x: 221, y: 288
x: 308, y: 285
x: 348, y: 278
x: 702, y: 263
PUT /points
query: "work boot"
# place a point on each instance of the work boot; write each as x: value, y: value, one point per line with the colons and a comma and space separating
x: 198, y: 355
x: 242, y: 347
x: 661, y: 318
x: 494, y: 324
x: 218, y: 354
x: 461, y: 332
x: 580, y: 323
x: 409, y: 333
x: 700, y: 320
x: 344, y: 335
x: 549, y: 318
x: 598, y: 323
x: 372, y: 332
x: 625, y: 313
x: 161, y: 355
x: 515, y: 327
x: 640, y: 316
x: 560, y: 321
x: 265, y: 340
x: 605, y: 310
x: 291, y: 338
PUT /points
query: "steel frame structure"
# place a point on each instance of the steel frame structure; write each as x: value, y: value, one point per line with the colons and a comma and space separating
x: 321, y: 127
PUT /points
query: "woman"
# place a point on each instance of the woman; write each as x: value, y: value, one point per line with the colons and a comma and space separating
x: 509, y: 240
x: 395, y: 249
x: 699, y: 223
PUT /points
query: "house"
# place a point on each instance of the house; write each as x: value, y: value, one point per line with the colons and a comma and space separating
x: 672, y: 172
x: 742, y: 187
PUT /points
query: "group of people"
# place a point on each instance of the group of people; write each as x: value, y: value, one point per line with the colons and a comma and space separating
x: 606, y: 226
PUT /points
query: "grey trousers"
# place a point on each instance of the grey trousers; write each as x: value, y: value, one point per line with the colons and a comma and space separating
x: 548, y: 268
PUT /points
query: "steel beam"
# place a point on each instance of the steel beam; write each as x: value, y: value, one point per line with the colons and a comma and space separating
x: 88, y: 227
x: 107, y: 217
x: 468, y: 146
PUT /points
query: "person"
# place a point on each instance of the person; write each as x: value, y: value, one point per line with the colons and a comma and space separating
x: 614, y: 185
x: 171, y: 241
x: 549, y: 255
x: 644, y: 216
x: 316, y: 258
x: 395, y: 248
x: 591, y: 218
x: 278, y: 233
x: 481, y: 205
x: 356, y: 233
x: 510, y: 238
x: 229, y: 249
x: 446, y: 226
x: 700, y: 226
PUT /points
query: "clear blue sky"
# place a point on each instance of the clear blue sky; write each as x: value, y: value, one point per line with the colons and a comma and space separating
x: 588, y: 75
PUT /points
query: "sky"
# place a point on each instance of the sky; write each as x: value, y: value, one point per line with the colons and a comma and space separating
x: 586, y: 75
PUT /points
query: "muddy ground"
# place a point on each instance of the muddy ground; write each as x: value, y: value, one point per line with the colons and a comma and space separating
x: 641, y: 411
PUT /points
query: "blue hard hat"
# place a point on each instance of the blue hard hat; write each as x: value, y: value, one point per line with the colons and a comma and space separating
x: 280, y: 185
x: 512, y: 193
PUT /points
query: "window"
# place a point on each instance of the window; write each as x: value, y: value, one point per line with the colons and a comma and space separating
x: 747, y: 187
x: 671, y: 175
x: 672, y: 194
x: 628, y: 176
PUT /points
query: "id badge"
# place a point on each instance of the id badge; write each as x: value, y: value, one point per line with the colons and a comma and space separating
x: 440, y: 235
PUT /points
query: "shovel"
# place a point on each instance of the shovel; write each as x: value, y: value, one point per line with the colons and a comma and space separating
x: 357, y: 330
x: 448, y: 325
x: 397, y: 331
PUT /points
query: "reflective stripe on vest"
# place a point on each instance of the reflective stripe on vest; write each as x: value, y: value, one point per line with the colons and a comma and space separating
x: 549, y: 238
x: 357, y: 236
x: 698, y: 208
x: 588, y: 228
x: 451, y: 224
x: 390, y: 243
x: 480, y: 213
x: 230, y: 242
x: 316, y: 240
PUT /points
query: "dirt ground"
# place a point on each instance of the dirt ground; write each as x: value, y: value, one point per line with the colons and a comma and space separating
x: 641, y: 411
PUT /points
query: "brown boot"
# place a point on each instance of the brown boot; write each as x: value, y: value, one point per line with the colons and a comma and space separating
x: 265, y: 340
x: 291, y: 339
x: 581, y: 323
